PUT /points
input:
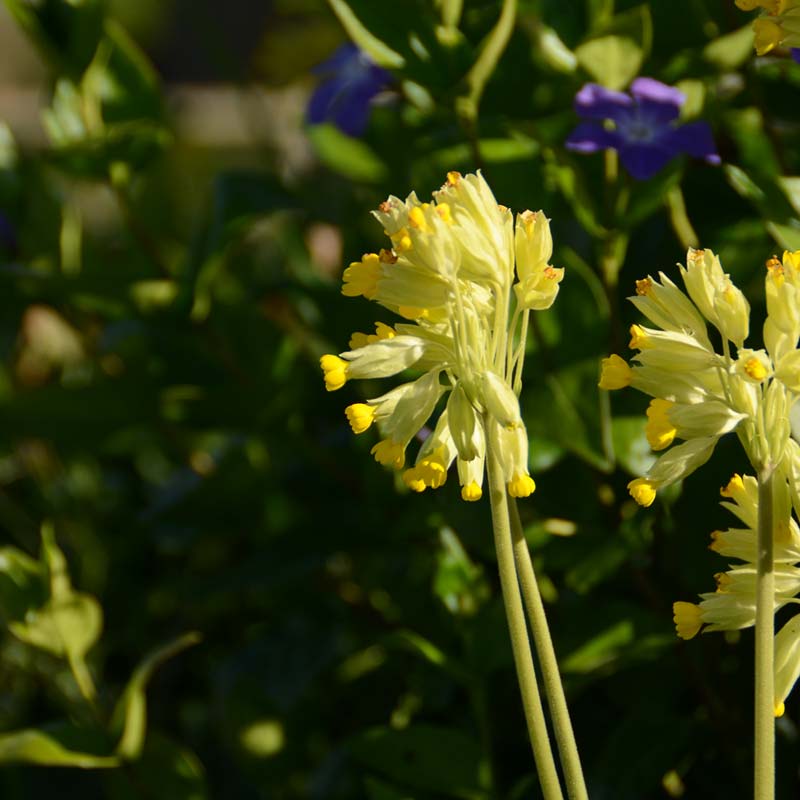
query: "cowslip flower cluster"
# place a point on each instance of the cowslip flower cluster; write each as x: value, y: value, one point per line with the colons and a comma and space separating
x: 733, y: 605
x: 645, y: 130
x: 699, y: 394
x: 778, y: 26
x: 465, y: 275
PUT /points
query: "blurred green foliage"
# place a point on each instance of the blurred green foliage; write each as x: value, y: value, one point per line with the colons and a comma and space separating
x: 169, y: 455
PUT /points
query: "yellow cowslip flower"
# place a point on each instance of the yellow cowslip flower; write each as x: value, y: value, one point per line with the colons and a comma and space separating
x: 779, y: 25
x: 701, y: 394
x: 733, y: 605
x: 660, y: 431
x: 465, y: 276
x: 615, y: 373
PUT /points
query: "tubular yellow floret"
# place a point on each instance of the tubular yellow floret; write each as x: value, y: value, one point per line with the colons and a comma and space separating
x: 389, y: 453
x: 401, y: 241
x: 521, y: 486
x: 433, y: 469
x: 335, y: 372
x: 471, y: 492
x: 768, y: 35
x: 659, y: 430
x: 755, y: 369
x: 361, y: 277
x: 416, y: 217
x: 444, y: 212
x: 412, y: 479
x: 643, y: 491
x: 360, y: 416
x: 639, y: 338
x: 615, y: 374
x: 643, y: 286
x: 688, y: 619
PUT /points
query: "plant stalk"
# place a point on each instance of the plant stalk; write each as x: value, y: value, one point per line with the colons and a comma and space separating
x: 520, y: 644
x: 553, y: 687
x: 764, y: 770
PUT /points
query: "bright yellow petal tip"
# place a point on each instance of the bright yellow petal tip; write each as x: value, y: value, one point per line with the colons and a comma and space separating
x: 471, y: 492
x: 389, y: 453
x: 639, y: 338
x: 687, y: 618
x: 734, y: 488
x: 361, y: 277
x: 768, y: 35
x: 521, y: 486
x: 779, y: 710
x: 642, y: 491
x: 360, y: 416
x: 659, y: 430
x: 412, y: 479
x: 335, y: 372
x: 615, y: 374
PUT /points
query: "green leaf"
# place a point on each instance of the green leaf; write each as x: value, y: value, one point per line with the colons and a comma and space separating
x: 630, y: 444
x: 346, y: 156
x: 22, y: 584
x: 67, y: 628
x: 730, y: 51
x: 424, y: 757
x: 601, y: 649
x: 378, y: 51
x: 551, y: 49
x: 50, y: 748
x: 130, y: 713
x: 612, y: 61
x: 756, y: 151
x: 166, y: 771
x: 649, y: 196
x: 458, y: 582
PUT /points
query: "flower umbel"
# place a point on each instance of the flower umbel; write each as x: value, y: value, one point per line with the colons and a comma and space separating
x: 465, y: 277
x: 733, y: 605
x: 644, y: 126
x: 699, y: 394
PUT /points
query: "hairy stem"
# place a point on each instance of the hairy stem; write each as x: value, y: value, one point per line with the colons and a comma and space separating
x: 554, y: 689
x: 520, y: 644
x: 764, y: 771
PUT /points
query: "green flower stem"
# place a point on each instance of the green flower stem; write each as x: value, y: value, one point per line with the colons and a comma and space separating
x: 679, y: 217
x: 520, y: 645
x: 554, y: 689
x: 765, y: 644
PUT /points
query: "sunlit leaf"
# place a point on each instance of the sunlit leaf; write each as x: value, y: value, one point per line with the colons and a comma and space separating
x: 612, y: 61
x: 130, y: 714
x: 50, y: 748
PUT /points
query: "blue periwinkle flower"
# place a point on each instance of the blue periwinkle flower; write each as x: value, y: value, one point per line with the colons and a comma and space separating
x: 644, y: 129
x: 350, y: 80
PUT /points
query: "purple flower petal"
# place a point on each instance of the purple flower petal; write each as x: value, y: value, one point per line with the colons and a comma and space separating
x: 589, y: 137
x: 658, y: 100
x: 642, y: 161
x: 345, y: 96
x: 338, y: 61
x: 696, y: 140
x: 596, y: 102
x: 795, y: 53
